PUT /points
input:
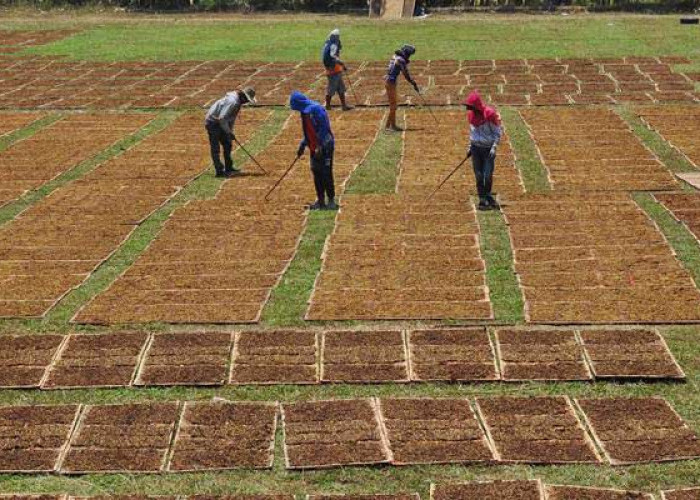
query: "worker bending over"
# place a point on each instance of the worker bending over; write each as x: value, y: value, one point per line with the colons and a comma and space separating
x: 334, y: 69
x: 318, y: 137
x: 484, y: 136
x: 397, y: 65
x: 219, y: 123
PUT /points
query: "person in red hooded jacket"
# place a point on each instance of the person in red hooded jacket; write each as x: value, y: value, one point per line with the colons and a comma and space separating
x: 484, y: 135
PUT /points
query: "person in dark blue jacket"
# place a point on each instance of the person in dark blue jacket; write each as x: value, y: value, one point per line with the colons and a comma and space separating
x: 318, y: 137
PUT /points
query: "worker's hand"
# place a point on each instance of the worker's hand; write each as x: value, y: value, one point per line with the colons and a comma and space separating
x: 492, y: 152
x: 300, y: 151
x: 233, y: 137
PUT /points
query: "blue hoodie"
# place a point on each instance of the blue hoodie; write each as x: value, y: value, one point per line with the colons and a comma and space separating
x: 317, y: 117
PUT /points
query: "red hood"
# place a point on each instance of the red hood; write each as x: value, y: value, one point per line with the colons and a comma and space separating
x: 474, y: 100
x: 484, y: 113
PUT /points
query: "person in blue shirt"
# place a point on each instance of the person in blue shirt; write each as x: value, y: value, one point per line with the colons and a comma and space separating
x: 334, y: 69
x: 318, y: 137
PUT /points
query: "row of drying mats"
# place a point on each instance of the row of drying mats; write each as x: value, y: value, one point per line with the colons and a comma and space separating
x: 159, y: 437
x: 250, y: 357
x: 39, y: 82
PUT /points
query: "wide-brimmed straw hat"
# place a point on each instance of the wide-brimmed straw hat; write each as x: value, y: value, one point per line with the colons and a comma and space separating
x: 249, y: 93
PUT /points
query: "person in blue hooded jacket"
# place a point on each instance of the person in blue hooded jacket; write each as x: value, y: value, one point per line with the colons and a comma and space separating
x: 318, y: 137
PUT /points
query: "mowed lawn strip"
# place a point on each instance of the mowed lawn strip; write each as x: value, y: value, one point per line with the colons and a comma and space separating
x: 527, y: 158
x: 28, y: 130
x: 205, y: 186
x: 678, y: 236
x: 503, y: 285
x: 295, y: 37
x: 12, y: 209
x: 289, y: 299
x: 377, y: 174
x: 668, y: 155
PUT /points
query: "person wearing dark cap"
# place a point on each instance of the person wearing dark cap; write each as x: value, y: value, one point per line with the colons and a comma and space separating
x: 334, y: 69
x: 397, y: 65
x: 220, y: 122
x: 484, y: 135
x: 318, y: 137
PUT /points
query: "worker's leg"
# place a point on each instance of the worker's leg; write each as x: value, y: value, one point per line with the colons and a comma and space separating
x: 329, y: 91
x: 213, y: 133
x: 328, y: 181
x: 478, y: 162
x: 226, y: 144
x: 391, y: 95
x: 317, y: 171
x: 340, y: 87
x: 489, y: 167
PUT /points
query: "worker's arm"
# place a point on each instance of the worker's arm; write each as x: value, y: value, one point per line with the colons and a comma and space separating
x: 408, y: 77
x: 302, y: 147
x: 321, y: 124
x: 497, y: 132
x: 224, y: 124
x: 334, y: 55
x: 228, y: 116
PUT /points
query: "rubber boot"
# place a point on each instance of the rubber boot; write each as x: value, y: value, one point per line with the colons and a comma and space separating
x: 317, y: 206
x: 346, y: 107
x: 493, y: 204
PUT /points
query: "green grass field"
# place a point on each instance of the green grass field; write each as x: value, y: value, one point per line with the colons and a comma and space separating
x: 293, y: 38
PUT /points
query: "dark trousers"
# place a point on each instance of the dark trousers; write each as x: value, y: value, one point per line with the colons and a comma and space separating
x: 484, y: 166
x: 219, y: 139
x: 322, y: 169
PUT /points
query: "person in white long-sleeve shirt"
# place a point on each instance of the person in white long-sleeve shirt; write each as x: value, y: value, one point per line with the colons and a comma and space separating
x: 220, y: 122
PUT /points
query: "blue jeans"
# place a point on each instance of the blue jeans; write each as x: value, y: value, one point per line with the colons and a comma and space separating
x: 484, y: 166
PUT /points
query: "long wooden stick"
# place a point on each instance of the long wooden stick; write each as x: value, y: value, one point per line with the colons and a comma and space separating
x: 251, y: 156
x: 281, y: 178
x: 447, y: 178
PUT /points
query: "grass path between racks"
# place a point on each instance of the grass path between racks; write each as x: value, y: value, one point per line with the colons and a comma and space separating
x: 28, y: 130
x: 289, y: 299
x: 12, y: 209
x: 378, y: 173
x: 678, y: 236
x: 533, y: 173
x: 375, y: 175
x: 669, y: 155
x: 204, y: 186
x: 496, y: 251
